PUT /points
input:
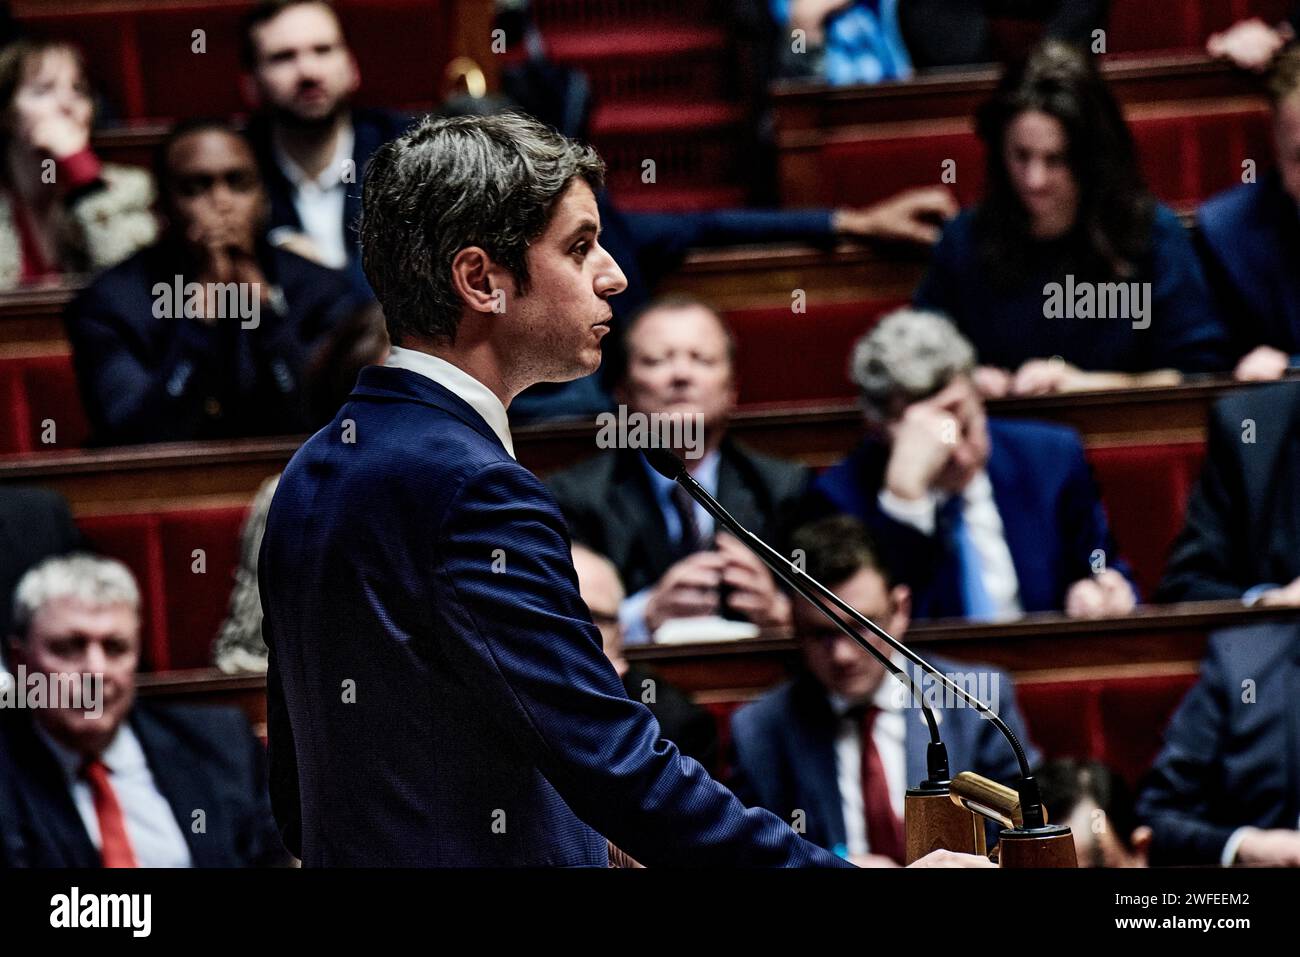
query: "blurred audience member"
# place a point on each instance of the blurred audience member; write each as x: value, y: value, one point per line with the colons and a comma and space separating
x: 681, y: 721
x: 1242, y: 537
x: 1252, y: 44
x: 679, y: 383
x: 843, y: 741
x: 1097, y: 806
x: 1069, y: 275
x: 982, y: 518
x: 35, y: 524
x: 841, y: 41
x: 205, y: 333
x: 845, y: 42
x: 102, y: 780
x: 1223, y: 788
x: 1250, y: 242
x: 312, y: 145
x: 61, y: 210
x: 358, y: 341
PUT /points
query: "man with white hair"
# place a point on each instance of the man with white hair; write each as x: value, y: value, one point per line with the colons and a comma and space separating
x: 97, y: 780
x: 982, y: 518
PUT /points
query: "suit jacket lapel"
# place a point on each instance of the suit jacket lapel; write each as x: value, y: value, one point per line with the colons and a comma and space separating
x: 178, y: 779
x: 812, y: 750
x: 636, y: 510
x: 1023, y: 536
x: 735, y: 493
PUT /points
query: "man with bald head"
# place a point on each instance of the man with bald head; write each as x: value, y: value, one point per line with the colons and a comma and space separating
x: 206, y: 333
x: 679, y: 369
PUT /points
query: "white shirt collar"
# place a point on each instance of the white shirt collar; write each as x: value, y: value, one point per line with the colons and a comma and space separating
x: 459, y: 382
x: 331, y: 176
x: 122, y: 755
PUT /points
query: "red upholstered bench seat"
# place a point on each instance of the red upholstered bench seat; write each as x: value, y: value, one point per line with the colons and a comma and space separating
x: 184, y: 561
x: 40, y: 402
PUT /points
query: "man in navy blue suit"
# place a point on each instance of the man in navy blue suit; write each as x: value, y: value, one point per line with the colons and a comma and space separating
x: 982, y: 518
x: 1223, y: 788
x: 91, y: 778
x: 437, y: 692
x: 1249, y: 239
x: 311, y: 143
x: 208, y: 332
x: 841, y: 743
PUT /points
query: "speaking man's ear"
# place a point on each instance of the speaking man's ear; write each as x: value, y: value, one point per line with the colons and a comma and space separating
x: 479, y: 282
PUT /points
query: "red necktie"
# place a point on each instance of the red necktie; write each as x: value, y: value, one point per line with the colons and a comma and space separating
x: 884, y: 829
x: 115, y: 846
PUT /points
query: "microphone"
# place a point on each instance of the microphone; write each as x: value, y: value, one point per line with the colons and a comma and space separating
x: 1033, y: 819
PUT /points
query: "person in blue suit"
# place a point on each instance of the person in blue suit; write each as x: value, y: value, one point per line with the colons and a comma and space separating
x: 207, y: 333
x: 1223, y: 789
x: 436, y: 691
x: 841, y: 743
x: 982, y: 518
x: 1249, y: 239
x: 1068, y: 275
x: 106, y: 780
x: 312, y: 144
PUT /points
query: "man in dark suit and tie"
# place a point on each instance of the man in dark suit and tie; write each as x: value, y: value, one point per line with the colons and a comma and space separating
x: 837, y: 747
x: 1223, y: 789
x: 679, y: 363
x: 94, y: 779
x: 437, y: 693
x: 981, y: 518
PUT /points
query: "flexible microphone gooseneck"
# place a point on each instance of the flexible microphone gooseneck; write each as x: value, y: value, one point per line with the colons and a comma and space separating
x: 671, y: 467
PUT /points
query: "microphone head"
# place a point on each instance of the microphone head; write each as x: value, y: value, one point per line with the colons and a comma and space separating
x: 665, y: 463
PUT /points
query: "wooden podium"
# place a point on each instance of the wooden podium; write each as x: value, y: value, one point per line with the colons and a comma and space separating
x: 950, y: 815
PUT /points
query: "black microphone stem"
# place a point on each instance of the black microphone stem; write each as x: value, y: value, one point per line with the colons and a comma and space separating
x: 801, y: 582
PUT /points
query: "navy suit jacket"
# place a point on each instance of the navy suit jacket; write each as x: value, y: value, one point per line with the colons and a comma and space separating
x: 371, y: 128
x: 1228, y: 762
x: 437, y: 693
x: 1249, y: 239
x: 784, y: 748
x: 1052, y: 518
x: 146, y: 378
x: 201, y: 758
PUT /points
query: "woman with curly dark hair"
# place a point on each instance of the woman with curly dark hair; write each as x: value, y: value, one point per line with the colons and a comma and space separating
x: 1069, y: 275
